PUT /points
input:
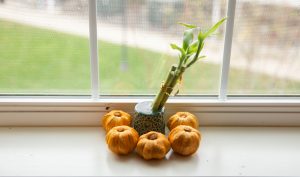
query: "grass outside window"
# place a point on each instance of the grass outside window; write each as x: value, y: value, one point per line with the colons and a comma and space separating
x: 35, y: 60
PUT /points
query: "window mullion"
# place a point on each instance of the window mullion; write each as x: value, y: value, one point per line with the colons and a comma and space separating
x: 93, y: 49
x: 227, y: 49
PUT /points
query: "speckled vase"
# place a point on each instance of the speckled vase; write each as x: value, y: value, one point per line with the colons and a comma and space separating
x: 145, y: 120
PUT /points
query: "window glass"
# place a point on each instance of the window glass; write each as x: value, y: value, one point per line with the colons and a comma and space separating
x: 265, y: 56
x: 44, y: 47
x: 134, y: 38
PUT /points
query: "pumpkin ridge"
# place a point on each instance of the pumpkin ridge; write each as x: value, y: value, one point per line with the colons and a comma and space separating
x: 181, y: 141
x: 114, y: 141
x: 158, y: 151
x: 110, y: 134
x: 167, y: 145
x: 174, y: 131
x: 130, y: 140
x: 147, y: 150
x: 193, y: 122
x: 126, y: 114
x: 104, y: 119
x: 108, y: 122
x: 140, y: 146
x: 136, y: 135
x: 124, y: 118
x: 123, y: 147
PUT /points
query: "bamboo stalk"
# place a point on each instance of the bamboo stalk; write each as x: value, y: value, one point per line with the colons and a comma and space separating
x: 171, y: 86
x: 163, y: 89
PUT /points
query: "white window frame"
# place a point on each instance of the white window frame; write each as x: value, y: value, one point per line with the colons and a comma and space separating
x: 212, y: 111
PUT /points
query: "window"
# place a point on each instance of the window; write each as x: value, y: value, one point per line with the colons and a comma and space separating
x: 266, y: 48
x: 44, y: 47
x: 134, y: 45
x: 120, y: 49
x: 45, y: 50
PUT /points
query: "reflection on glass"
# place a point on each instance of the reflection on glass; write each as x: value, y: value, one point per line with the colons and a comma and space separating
x: 266, y: 48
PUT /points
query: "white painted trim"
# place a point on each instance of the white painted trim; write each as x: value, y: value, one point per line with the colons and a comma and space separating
x: 85, y: 112
x: 93, y: 49
x: 233, y: 101
x: 227, y: 49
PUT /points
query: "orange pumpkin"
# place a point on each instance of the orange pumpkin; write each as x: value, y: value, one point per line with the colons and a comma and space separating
x: 122, y: 139
x: 182, y: 118
x: 115, y: 118
x: 184, y: 140
x: 153, y: 145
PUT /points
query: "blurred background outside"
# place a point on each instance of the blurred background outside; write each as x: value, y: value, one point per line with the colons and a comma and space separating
x: 44, y: 46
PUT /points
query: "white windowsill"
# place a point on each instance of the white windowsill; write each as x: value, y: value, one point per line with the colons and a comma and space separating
x: 211, y: 112
x: 82, y: 151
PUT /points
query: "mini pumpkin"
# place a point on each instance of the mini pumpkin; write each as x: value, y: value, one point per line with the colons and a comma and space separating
x: 153, y: 145
x: 184, y: 140
x: 122, y: 139
x: 115, y: 118
x: 182, y: 118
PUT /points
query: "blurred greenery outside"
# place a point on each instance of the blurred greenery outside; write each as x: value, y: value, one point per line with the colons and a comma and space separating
x: 37, y: 60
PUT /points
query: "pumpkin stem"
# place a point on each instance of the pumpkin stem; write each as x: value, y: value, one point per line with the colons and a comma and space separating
x: 187, y: 129
x: 152, y: 136
x: 120, y: 129
x: 118, y: 114
x: 183, y: 115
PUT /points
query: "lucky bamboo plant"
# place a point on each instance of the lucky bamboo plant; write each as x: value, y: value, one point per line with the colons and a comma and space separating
x: 189, y: 54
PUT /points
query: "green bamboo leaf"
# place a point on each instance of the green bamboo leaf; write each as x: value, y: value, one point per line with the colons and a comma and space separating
x: 187, y: 25
x: 214, y: 28
x: 187, y: 38
x: 188, y: 57
x: 201, y: 36
x: 176, y: 47
x: 193, y: 47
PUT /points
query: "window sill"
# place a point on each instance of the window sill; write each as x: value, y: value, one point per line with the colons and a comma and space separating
x: 77, y: 151
x: 212, y: 112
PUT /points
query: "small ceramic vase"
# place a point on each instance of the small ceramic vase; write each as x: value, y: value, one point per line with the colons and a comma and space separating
x: 145, y: 120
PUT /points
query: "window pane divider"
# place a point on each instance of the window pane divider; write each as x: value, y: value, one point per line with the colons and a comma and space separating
x: 93, y: 50
x: 227, y: 50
